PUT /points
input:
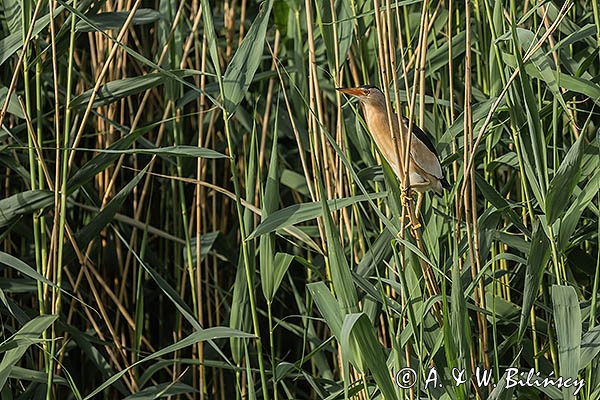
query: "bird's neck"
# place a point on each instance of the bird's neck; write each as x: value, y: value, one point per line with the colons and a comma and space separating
x: 376, y: 116
x: 378, y: 123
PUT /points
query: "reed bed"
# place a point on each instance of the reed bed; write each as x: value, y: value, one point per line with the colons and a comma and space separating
x: 189, y: 210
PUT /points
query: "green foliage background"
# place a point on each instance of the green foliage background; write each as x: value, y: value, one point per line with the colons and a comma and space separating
x: 188, y: 208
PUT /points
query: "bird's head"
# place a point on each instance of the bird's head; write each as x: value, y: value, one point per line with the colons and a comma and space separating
x: 366, y: 93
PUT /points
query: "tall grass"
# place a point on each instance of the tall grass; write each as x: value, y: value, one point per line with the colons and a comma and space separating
x: 190, y: 210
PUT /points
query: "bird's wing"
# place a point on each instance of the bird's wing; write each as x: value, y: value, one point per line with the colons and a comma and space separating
x: 423, y: 152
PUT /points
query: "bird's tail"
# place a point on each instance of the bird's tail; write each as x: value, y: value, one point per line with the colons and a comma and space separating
x: 445, y: 184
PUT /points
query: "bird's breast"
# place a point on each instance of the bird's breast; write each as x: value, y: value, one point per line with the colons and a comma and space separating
x: 378, y: 125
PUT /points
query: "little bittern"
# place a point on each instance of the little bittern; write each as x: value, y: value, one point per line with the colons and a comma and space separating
x: 425, y: 170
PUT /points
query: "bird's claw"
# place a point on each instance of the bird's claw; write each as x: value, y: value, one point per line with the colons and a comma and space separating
x: 413, y: 226
x: 405, y: 201
x: 405, y: 197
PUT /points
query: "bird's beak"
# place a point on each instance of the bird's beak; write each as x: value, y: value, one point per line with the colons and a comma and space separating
x: 353, y: 91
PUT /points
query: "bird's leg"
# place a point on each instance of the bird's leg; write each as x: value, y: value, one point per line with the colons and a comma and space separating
x: 418, y: 206
x: 415, y: 224
x: 406, y: 198
x: 418, y: 210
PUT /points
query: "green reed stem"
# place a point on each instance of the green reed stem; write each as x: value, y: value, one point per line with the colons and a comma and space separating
x: 63, y: 191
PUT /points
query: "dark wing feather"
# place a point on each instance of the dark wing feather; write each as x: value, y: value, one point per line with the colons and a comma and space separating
x: 423, y: 137
x: 445, y: 184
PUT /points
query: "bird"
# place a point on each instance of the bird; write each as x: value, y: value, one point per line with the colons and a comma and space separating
x: 425, y: 169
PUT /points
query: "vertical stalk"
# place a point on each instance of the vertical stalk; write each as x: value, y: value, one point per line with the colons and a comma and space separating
x: 59, y: 214
x: 66, y: 140
x: 250, y: 273
x: 592, y: 320
x: 469, y: 182
x: 199, y: 203
x: 247, y: 264
x: 596, y: 22
x: 41, y: 232
x: 33, y: 169
x: 272, y: 347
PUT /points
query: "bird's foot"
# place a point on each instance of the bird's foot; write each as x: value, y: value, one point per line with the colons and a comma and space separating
x: 405, y: 197
x: 413, y: 226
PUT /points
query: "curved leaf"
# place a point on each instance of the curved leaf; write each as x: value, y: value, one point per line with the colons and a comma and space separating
x: 23, y: 203
x: 118, y: 89
x: 245, y: 61
x: 115, y: 20
x: 304, y: 212
x: 563, y: 183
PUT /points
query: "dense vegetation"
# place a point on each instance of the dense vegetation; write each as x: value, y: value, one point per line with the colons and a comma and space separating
x: 188, y: 209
